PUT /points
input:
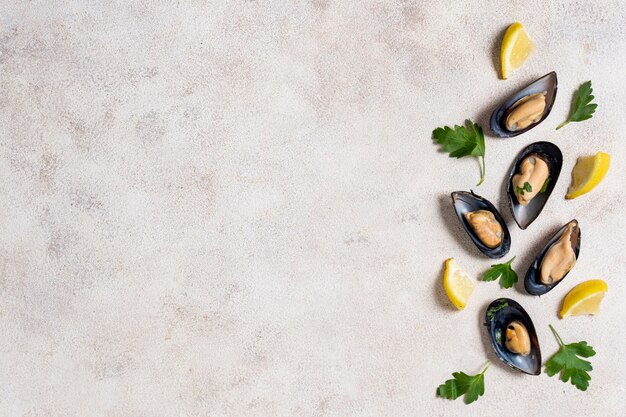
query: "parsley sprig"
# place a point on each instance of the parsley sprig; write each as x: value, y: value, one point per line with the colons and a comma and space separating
x: 491, y: 313
x: 568, y: 362
x: 461, y: 141
x: 582, y: 109
x: 508, y: 277
x: 473, y: 386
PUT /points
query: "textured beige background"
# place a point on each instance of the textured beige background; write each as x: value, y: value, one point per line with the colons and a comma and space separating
x: 216, y: 208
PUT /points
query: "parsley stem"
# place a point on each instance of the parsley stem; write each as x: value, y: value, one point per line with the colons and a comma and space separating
x: 486, y: 367
x: 558, y: 338
x: 511, y: 261
x: 483, y: 172
x: 562, y: 124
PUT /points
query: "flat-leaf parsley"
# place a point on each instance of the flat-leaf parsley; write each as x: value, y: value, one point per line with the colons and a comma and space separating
x: 461, y: 141
x: 568, y: 362
x: 473, y: 386
x: 582, y: 109
x: 508, y: 277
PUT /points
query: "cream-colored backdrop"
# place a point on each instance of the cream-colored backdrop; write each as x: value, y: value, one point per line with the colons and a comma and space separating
x: 235, y: 208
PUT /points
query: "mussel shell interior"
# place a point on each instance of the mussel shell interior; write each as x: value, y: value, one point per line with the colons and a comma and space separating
x: 505, y: 311
x: 551, y: 154
x: 532, y: 280
x: 465, y: 202
x: 548, y: 84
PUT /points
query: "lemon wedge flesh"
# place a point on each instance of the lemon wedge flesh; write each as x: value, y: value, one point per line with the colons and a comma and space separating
x: 585, y: 298
x: 457, y: 284
x: 587, y: 173
x: 516, y: 47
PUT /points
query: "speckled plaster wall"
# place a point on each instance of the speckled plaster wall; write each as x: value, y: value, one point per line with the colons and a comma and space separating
x: 229, y: 208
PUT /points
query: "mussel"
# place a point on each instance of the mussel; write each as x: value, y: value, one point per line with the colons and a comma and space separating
x: 483, y: 223
x: 555, y: 260
x: 532, y: 179
x: 526, y: 108
x: 513, y: 336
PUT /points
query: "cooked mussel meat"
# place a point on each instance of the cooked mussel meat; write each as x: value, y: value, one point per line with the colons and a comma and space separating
x: 486, y: 227
x: 534, y: 172
x: 526, y: 111
x: 560, y: 258
x: 517, y: 338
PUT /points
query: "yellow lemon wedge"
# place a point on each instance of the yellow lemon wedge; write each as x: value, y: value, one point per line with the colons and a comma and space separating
x: 515, y: 49
x: 585, y: 298
x: 587, y: 173
x: 457, y: 284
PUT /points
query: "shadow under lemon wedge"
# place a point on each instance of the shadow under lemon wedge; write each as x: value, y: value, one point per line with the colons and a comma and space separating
x: 585, y: 298
x: 457, y: 284
x: 587, y: 174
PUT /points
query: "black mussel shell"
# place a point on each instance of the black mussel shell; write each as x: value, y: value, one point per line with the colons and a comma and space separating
x: 532, y: 281
x: 498, y: 316
x: 551, y: 154
x: 548, y: 84
x: 465, y: 202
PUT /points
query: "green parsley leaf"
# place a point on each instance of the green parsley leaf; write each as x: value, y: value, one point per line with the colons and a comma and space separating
x: 461, y: 141
x: 493, y: 310
x: 568, y: 362
x: 544, y: 187
x: 526, y: 187
x: 582, y: 108
x: 473, y: 386
x: 508, y: 277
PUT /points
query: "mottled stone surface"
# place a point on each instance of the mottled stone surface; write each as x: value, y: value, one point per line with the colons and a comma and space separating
x: 235, y: 208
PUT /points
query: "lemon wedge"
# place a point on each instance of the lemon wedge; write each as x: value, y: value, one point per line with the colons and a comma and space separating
x: 457, y: 284
x: 516, y: 47
x: 587, y: 173
x: 584, y: 298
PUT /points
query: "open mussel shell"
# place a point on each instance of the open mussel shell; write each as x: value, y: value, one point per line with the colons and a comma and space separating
x: 500, y: 314
x: 547, y: 84
x: 551, y: 154
x: 465, y: 202
x: 532, y: 281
